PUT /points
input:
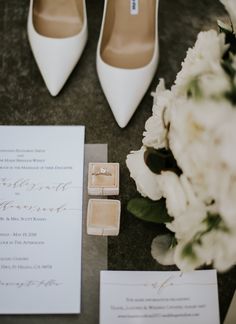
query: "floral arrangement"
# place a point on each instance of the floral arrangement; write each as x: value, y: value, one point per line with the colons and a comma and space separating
x: 186, y: 168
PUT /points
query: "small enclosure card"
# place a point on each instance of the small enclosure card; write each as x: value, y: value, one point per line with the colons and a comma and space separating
x: 41, y: 177
x: 159, y: 297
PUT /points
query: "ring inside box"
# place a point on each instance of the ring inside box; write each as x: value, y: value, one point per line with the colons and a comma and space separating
x: 104, y: 175
x: 103, y: 179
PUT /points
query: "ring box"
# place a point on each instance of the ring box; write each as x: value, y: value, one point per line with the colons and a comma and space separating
x: 103, y: 179
x: 103, y: 217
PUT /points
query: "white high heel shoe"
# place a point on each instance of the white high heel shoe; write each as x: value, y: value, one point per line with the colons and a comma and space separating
x: 57, y: 33
x: 127, y: 54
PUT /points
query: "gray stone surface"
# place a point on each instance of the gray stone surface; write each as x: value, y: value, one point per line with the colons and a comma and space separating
x: 25, y: 100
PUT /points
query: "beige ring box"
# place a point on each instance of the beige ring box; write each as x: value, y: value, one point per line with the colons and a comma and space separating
x: 103, y: 179
x: 103, y: 217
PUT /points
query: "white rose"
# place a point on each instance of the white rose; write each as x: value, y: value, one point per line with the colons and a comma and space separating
x: 187, y: 137
x: 203, y: 58
x: 230, y: 6
x: 224, y: 25
x: 187, y: 224
x: 162, y: 250
x: 226, y: 199
x: 188, y: 210
x: 233, y: 59
x: 193, y: 141
x: 173, y: 192
x: 215, y: 84
x: 218, y: 247
x: 146, y: 180
x: 162, y: 98
x: 186, y: 262
x: 155, y: 134
x: 225, y: 138
x: 200, y: 246
x: 225, y: 252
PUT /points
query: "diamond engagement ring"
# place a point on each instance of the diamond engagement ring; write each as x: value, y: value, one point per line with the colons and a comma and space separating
x: 102, y: 171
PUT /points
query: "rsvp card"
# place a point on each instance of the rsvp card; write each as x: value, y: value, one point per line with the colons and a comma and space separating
x: 41, y: 179
x: 128, y: 297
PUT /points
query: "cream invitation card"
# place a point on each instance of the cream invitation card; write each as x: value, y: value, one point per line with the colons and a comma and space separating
x: 41, y: 180
x: 128, y: 297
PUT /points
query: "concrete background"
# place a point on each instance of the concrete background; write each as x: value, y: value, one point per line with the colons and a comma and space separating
x: 24, y: 100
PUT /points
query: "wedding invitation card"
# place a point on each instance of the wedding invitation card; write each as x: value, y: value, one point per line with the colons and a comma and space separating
x: 41, y: 180
x: 152, y: 297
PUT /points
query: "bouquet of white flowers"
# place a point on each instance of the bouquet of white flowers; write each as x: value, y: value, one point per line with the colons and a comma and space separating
x: 186, y: 168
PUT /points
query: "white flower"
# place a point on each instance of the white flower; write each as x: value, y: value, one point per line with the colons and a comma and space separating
x: 218, y: 247
x: 182, y: 204
x: 161, y: 249
x: 172, y: 189
x: 197, y: 122
x: 146, y: 180
x: 226, y: 199
x: 187, y: 224
x: 224, y: 25
x: 188, y: 253
x: 186, y: 262
x: 230, y: 6
x: 162, y: 98
x: 226, y: 140
x: 233, y: 65
x: 233, y: 59
x: 193, y: 140
x: 214, y: 85
x: 203, y: 58
x: 155, y: 134
x: 225, y: 256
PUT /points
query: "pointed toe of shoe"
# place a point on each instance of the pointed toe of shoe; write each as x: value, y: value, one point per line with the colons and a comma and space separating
x: 122, y: 106
x: 124, y: 89
x: 55, y: 70
x: 54, y: 84
x: 122, y: 120
x: 55, y: 57
x: 126, y: 65
x: 121, y: 116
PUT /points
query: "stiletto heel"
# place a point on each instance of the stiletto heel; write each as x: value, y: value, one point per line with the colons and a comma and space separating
x: 127, y: 54
x: 57, y: 32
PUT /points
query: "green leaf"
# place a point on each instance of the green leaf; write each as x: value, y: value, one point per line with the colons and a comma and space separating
x: 161, y: 160
x: 149, y: 210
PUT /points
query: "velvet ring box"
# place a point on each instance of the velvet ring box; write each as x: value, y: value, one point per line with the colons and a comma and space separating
x: 103, y: 179
x: 103, y: 217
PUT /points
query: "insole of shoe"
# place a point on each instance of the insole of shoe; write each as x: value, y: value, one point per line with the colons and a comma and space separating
x: 58, y: 18
x: 129, y: 33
